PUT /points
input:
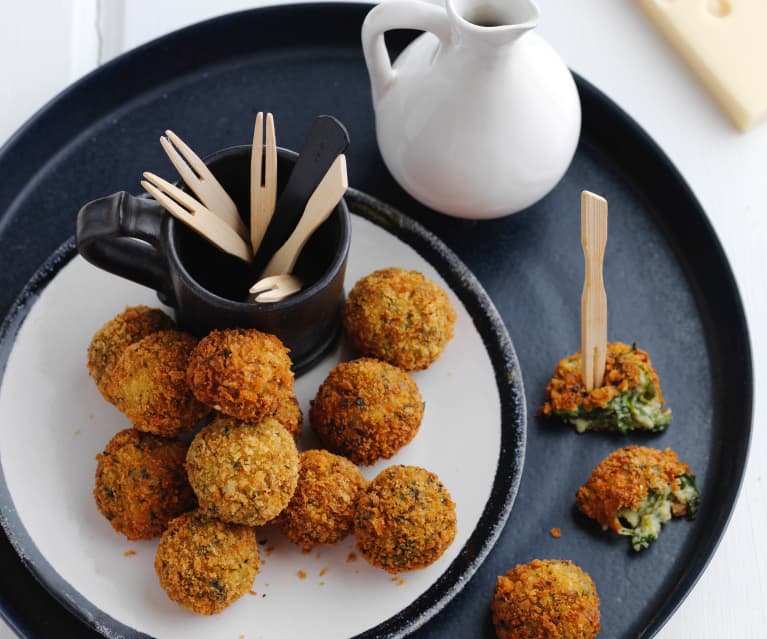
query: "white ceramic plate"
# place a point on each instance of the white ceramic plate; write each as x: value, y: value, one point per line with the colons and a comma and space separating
x: 53, y: 422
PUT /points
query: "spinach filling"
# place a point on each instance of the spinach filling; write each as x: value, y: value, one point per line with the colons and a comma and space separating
x: 637, y: 408
x: 643, y: 524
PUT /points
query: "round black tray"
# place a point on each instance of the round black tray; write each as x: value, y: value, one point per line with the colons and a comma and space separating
x: 669, y: 285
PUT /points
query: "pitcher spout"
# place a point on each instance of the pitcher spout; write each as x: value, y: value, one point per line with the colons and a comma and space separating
x: 492, y: 23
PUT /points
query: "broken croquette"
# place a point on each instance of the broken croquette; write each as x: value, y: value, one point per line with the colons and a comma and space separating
x: 243, y: 473
x: 205, y: 564
x: 630, y: 397
x: 141, y: 483
x: 321, y: 511
x: 148, y: 384
x: 400, y: 317
x: 636, y: 489
x: 109, y: 342
x: 404, y: 520
x: 243, y: 373
x: 367, y: 410
x: 546, y: 599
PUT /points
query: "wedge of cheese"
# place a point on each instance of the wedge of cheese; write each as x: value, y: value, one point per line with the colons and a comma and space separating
x: 725, y: 43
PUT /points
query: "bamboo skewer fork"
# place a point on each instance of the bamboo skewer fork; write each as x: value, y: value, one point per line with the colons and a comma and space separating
x: 202, y: 182
x: 263, y: 194
x: 594, y: 297
x: 197, y: 216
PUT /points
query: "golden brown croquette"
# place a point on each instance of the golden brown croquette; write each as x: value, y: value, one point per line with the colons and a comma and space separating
x: 630, y: 397
x: 546, y: 599
x: 243, y: 473
x: 404, y: 520
x: 367, y: 410
x: 141, y: 483
x: 205, y: 564
x: 321, y: 510
x: 400, y: 317
x: 636, y: 489
x: 243, y: 373
x: 148, y: 384
x: 289, y: 414
x: 116, y: 335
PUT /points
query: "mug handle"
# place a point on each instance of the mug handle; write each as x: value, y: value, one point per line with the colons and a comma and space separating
x: 400, y: 14
x: 122, y: 234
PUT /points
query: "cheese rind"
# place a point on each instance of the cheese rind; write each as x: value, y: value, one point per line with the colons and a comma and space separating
x: 725, y: 44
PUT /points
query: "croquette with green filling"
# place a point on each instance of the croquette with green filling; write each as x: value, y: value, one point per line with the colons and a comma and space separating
x: 148, y: 384
x: 630, y: 397
x: 205, y: 564
x: 400, y: 317
x: 367, y: 410
x: 240, y: 372
x: 636, y: 489
x: 405, y: 519
x: 321, y: 511
x: 546, y: 599
x: 141, y: 483
x: 243, y: 473
x: 109, y: 342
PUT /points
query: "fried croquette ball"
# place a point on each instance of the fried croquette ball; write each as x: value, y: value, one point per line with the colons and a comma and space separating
x: 367, y: 410
x: 630, y: 397
x: 148, y: 384
x: 549, y: 599
x: 636, y: 489
x: 111, y: 340
x: 289, y: 414
x: 240, y: 372
x: 405, y: 519
x: 400, y: 317
x: 321, y: 510
x: 205, y: 564
x: 243, y: 473
x: 141, y: 483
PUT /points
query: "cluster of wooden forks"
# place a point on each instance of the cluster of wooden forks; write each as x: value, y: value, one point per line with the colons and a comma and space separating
x: 216, y: 218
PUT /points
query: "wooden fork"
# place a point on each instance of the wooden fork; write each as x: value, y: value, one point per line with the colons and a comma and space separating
x: 203, y: 183
x: 263, y: 193
x: 185, y: 208
x: 593, y: 298
x: 275, y: 288
x: 319, y: 207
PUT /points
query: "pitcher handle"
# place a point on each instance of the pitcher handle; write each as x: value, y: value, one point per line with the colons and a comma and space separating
x: 122, y: 234
x: 399, y: 14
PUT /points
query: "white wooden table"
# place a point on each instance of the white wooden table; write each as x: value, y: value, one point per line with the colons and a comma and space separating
x: 46, y: 44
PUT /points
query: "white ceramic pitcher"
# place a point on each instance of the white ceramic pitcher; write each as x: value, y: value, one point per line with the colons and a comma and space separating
x: 477, y: 118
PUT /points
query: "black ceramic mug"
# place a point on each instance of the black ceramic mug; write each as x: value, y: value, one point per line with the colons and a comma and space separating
x: 135, y: 238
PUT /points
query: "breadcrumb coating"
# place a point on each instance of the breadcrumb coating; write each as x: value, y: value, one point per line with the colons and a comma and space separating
x: 546, y: 599
x: 109, y: 342
x: 243, y: 473
x: 625, y: 478
x: 141, y: 483
x: 400, y: 317
x: 321, y: 511
x: 205, y: 564
x: 367, y: 410
x: 243, y: 373
x: 405, y: 519
x: 289, y: 414
x: 148, y: 384
x: 624, y: 368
